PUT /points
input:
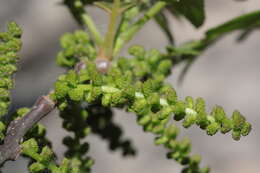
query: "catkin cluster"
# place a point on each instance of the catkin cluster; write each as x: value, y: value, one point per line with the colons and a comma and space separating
x: 137, y: 85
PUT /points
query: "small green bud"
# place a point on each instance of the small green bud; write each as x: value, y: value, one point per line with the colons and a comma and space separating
x: 173, y: 144
x: 204, y: 170
x: 64, y: 61
x: 185, y: 145
x: 14, y: 29
x: 202, y: 120
x: 140, y: 107
x: 2, y: 126
x: 236, y: 135
x: 213, y: 128
x: 226, y: 125
x: 195, y: 159
x: 176, y: 155
x: 172, y: 131
x: 137, y: 51
x: 189, y: 120
x: 150, y: 86
x: 93, y: 94
x: 76, y: 94
x: 97, y: 79
x: 179, y: 110
x: 161, y: 140
x: 2, y: 129
x: 171, y: 95
x: 86, y: 131
x: 158, y: 129
x: 64, y: 167
x: 117, y: 99
x: 36, y: 167
x: 22, y: 111
x: 219, y: 114
x: 84, y: 77
x: 47, y: 154
x: 81, y: 37
x: 4, y: 94
x: 89, y: 163
x: 129, y: 93
x: 6, y: 83
x: 153, y: 56
x: 148, y: 127
x: 165, y: 112
x: 246, y: 129
x: 189, y: 102
x: 123, y: 64
x: 238, y: 120
x: 154, y: 99
x: 30, y: 147
x: 67, y: 40
x: 164, y: 67
x: 40, y: 130
x: 63, y: 105
x: 155, y: 118
x: 72, y: 78
x: 144, y: 120
x: 106, y: 99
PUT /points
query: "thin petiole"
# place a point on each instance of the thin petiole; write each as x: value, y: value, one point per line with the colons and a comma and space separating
x: 129, y: 34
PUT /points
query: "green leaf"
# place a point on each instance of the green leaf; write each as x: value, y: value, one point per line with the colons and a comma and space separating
x: 193, y: 10
x: 243, y: 22
x: 163, y: 23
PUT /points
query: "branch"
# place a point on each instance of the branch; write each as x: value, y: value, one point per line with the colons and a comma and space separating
x: 11, y: 149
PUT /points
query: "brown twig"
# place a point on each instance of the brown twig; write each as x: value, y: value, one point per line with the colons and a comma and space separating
x: 16, y: 130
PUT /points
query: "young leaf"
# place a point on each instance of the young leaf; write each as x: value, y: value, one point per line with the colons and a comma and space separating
x: 193, y: 10
x: 163, y: 23
x: 243, y: 22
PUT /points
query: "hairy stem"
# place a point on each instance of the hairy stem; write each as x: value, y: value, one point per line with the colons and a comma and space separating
x: 128, y: 35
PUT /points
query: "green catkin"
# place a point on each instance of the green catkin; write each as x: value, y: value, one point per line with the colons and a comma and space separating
x: 10, y: 44
x: 152, y: 101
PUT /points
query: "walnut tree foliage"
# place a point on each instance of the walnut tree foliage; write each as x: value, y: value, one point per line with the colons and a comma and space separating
x: 99, y: 79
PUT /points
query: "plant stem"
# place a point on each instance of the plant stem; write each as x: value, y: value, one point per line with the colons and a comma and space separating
x: 110, y: 35
x: 92, y: 29
x: 128, y: 35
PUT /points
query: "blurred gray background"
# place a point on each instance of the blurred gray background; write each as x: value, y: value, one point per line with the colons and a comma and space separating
x: 226, y: 74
